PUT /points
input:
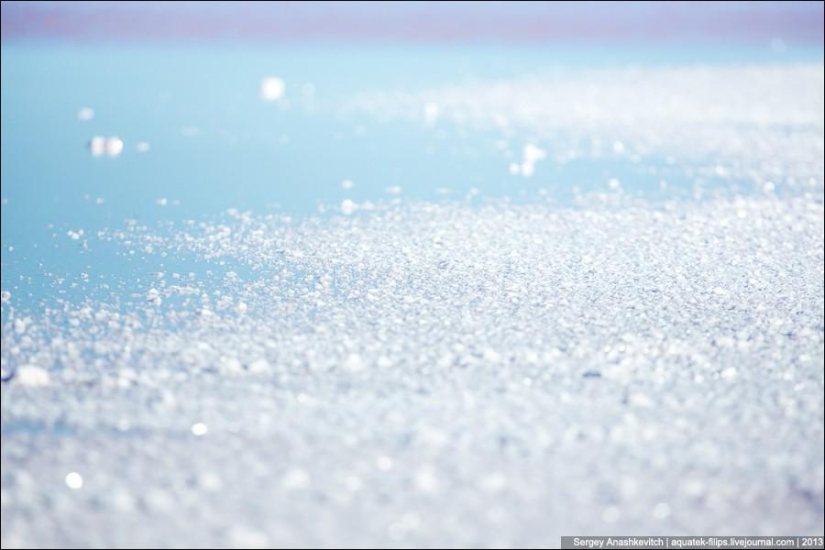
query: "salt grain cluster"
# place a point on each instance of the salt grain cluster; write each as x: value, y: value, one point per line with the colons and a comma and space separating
x: 604, y: 367
x: 111, y: 146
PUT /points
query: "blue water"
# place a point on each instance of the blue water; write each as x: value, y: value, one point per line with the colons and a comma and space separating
x: 248, y: 154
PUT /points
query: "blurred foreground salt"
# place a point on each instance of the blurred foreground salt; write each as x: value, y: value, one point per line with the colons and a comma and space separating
x: 430, y: 374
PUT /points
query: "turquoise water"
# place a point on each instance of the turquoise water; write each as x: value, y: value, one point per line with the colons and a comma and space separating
x: 214, y: 145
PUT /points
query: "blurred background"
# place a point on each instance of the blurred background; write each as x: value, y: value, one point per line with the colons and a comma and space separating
x: 182, y: 90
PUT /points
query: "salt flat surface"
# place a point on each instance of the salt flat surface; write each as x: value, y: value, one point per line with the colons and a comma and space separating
x: 460, y: 372
x: 758, y: 122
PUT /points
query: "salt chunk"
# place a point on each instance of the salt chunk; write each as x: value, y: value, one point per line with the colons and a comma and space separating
x: 528, y: 169
x: 153, y: 296
x: 532, y: 154
x: 114, y: 146
x: 199, y: 429
x: 32, y: 376
x: 348, y: 207
x: 272, y: 88
x: 97, y: 146
x: 74, y: 480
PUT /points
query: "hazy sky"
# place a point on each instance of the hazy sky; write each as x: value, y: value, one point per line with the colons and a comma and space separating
x: 747, y: 23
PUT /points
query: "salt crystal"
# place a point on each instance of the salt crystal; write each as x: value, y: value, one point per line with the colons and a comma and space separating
x: 348, y: 206
x: 114, y: 146
x: 199, y: 429
x: 97, y: 146
x: 272, y: 88
x: 74, y: 480
x: 32, y: 376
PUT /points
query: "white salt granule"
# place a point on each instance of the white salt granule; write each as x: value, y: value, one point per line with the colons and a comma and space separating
x: 348, y: 206
x: 74, y: 480
x: 272, y: 88
x: 199, y: 429
x: 97, y: 146
x: 32, y: 376
x: 114, y: 146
